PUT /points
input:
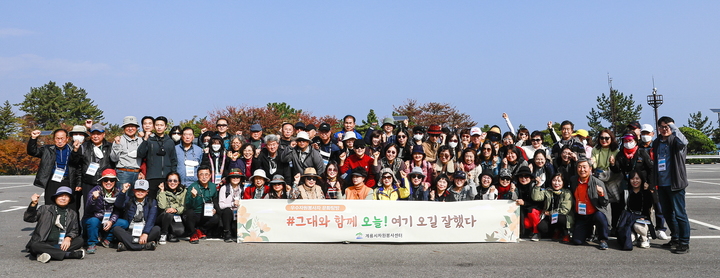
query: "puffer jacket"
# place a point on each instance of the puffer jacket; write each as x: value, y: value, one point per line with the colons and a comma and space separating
x: 168, y: 199
x: 540, y: 194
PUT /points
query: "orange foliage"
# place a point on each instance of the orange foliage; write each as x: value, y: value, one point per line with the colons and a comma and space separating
x: 14, y: 159
x: 240, y: 118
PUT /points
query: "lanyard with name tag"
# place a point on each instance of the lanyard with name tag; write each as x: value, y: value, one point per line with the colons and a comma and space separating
x: 137, y: 229
x: 208, y: 209
x: 92, y: 168
x: 106, y: 217
x: 218, y: 177
x: 662, y: 165
x: 61, y: 237
x: 234, y: 213
x: 190, y: 167
x: 582, y: 208
x: 58, y: 174
x: 554, y: 218
x: 177, y: 218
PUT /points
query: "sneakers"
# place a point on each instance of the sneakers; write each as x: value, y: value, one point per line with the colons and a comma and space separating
x: 645, y: 244
x: 535, y: 237
x: 682, y: 249
x: 91, y: 249
x: 78, y: 254
x: 172, y: 238
x: 672, y: 244
x: 194, y: 238
x: 228, y: 237
x: 662, y: 235
x: 603, y: 245
x: 565, y: 239
x: 200, y: 234
x: 163, y: 239
x: 633, y: 238
x: 105, y: 243
x: 43, y: 258
x: 151, y: 246
x: 121, y: 247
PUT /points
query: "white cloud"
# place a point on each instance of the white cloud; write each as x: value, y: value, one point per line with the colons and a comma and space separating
x: 14, y: 32
x: 33, y: 65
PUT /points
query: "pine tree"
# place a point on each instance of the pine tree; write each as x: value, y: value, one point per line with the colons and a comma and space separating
x: 625, y: 112
x: 704, y: 125
x: 8, y: 121
x: 50, y: 106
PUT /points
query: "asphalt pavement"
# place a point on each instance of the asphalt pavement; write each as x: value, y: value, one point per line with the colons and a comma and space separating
x: 214, y: 258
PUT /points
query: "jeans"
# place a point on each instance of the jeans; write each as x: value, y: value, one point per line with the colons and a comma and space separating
x: 673, y: 205
x: 126, y: 177
x: 93, y: 225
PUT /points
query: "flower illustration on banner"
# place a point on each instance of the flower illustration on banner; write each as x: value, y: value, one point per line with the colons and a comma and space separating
x: 251, y: 228
x: 508, y: 227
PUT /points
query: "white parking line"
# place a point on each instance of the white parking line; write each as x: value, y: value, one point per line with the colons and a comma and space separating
x: 8, y: 201
x: 705, y: 182
x: 7, y: 187
x: 704, y: 224
x: 704, y: 236
x: 13, y: 208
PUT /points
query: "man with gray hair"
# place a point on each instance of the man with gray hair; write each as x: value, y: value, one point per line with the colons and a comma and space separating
x: 270, y: 158
x: 124, y: 152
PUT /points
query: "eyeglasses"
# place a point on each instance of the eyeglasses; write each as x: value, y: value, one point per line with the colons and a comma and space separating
x: 605, y: 138
x: 222, y: 125
x: 332, y: 170
x: 172, y: 180
x: 536, y: 140
x: 487, y: 149
x: 393, y: 152
x: 415, y: 177
x: 664, y: 127
x: 387, y: 177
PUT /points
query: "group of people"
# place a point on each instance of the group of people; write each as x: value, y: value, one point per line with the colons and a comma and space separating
x: 148, y: 187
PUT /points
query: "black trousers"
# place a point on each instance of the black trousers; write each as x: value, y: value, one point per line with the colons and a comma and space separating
x: 544, y: 227
x: 167, y: 223
x: 37, y: 248
x: 153, y: 184
x: 229, y: 224
x: 194, y: 221
x: 125, y: 236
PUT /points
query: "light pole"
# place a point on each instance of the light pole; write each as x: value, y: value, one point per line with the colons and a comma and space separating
x: 655, y: 101
x: 718, y: 112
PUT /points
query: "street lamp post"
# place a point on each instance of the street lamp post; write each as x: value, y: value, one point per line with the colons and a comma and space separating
x: 655, y: 101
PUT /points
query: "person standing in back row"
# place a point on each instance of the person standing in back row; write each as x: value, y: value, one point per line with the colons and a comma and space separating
x: 159, y: 151
x: 670, y: 150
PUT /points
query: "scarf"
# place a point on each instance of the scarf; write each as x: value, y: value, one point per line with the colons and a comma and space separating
x: 630, y: 153
x: 468, y: 167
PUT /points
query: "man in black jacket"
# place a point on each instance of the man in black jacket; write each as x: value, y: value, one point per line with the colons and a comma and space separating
x: 91, y: 158
x: 55, y: 169
x: 57, y: 233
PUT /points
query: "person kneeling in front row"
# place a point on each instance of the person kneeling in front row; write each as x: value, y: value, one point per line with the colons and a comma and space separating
x: 140, y: 212
x: 57, y: 234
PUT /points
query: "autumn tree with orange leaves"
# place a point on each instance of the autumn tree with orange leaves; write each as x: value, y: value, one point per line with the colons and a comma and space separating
x: 433, y: 113
x: 270, y: 117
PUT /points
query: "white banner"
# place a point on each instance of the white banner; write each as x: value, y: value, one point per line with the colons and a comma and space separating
x: 377, y: 221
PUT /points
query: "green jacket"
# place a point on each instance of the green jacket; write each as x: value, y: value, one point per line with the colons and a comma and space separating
x: 167, y: 199
x: 540, y: 194
x: 204, y: 195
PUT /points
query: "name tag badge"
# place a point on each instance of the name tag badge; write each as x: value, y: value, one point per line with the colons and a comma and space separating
x: 61, y: 237
x: 106, y: 217
x: 92, y: 168
x: 582, y: 208
x: 234, y: 214
x: 554, y: 218
x: 132, y: 154
x: 189, y: 171
x: 58, y: 174
x: 191, y: 163
x: 208, y: 211
x: 218, y: 177
x: 662, y: 166
x: 177, y: 219
x: 137, y: 229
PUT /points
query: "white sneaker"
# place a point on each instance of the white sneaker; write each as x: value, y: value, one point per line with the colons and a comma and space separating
x: 662, y: 235
x: 535, y: 237
x: 645, y: 244
x: 633, y: 237
x: 163, y: 239
x: 43, y: 258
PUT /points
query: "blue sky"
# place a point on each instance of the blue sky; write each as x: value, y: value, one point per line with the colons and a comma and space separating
x: 535, y: 60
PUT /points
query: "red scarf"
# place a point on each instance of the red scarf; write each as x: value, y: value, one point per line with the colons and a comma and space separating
x: 630, y: 153
x: 468, y: 167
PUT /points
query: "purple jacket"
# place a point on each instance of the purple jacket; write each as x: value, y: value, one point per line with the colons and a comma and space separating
x: 97, y: 208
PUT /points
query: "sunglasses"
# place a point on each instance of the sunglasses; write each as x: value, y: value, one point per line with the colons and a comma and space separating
x: 487, y: 149
x: 357, y: 148
x: 454, y: 141
x: 221, y: 125
x: 387, y: 177
x: 505, y: 178
x: 390, y: 152
x: 173, y: 180
x: 107, y: 180
x: 311, y: 178
x: 332, y: 170
x: 415, y: 177
x: 536, y: 140
x: 402, y: 136
x: 605, y: 138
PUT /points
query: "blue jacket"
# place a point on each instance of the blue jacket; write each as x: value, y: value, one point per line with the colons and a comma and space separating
x: 149, y: 210
x: 195, y: 153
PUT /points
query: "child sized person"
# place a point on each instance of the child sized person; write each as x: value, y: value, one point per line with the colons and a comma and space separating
x: 557, y: 207
x: 140, y: 212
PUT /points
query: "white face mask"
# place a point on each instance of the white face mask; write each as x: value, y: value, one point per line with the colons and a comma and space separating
x: 216, y: 148
x: 78, y: 138
x: 646, y: 138
x: 453, y: 144
x: 629, y: 145
x: 417, y: 137
x: 584, y: 142
x: 176, y: 137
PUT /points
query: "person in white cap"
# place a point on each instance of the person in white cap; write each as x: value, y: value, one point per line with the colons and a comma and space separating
x: 91, y: 158
x: 124, y: 152
x: 646, y: 138
x: 300, y: 155
x: 140, y: 213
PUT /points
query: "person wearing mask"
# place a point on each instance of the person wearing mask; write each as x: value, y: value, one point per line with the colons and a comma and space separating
x: 91, y: 158
x: 216, y: 160
x: 101, y: 215
x: 57, y: 233
x: 189, y: 156
x: 590, y: 205
x: 140, y: 213
x: 201, y: 206
x: 54, y: 169
x: 301, y: 156
x: 669, y: 151
x: 418, y: 135
x: 176, y: 134
x: 124, y: 152
x: 358, y: 190
x: 159, y: 151
x: 171, y: 204
x: 646, y: 138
